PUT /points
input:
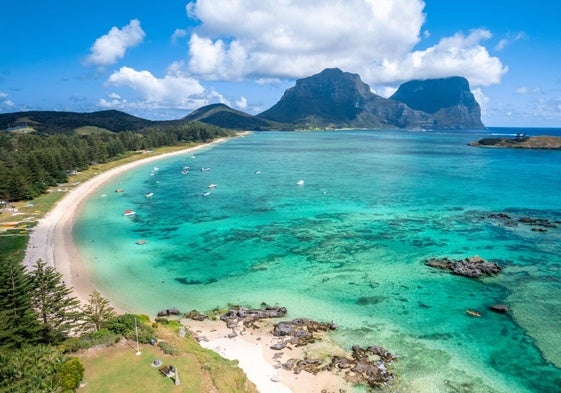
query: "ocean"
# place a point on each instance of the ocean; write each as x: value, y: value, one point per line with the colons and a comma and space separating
x: 348, y: 245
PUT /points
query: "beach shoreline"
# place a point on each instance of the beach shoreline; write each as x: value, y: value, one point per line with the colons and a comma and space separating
x: 51, y: 241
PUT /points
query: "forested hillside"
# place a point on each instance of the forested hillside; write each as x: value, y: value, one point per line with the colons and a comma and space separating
x: 31, y: 163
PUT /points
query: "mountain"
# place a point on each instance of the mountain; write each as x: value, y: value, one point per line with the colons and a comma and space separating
x: 330, y: 99
x: 448, y: 100
x: 223, y: 116
x: 67, y: 122
x: 337, y: 99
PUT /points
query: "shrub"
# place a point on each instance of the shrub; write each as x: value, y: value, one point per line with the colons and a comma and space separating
x: 168, y: 349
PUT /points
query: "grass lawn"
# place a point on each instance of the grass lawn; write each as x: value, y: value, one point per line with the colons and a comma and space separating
x: 119, y: 369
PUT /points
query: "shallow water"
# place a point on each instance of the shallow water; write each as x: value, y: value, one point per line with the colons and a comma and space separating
x: 348, y: 246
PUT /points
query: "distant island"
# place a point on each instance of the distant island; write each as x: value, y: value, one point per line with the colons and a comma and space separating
x: 332, y: 99
x: 521, y: 141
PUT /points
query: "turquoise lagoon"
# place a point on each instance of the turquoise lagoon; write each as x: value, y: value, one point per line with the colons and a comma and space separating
x: 349, y: 246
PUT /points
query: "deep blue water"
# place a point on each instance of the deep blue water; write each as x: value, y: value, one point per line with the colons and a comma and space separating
x: 348, y: 245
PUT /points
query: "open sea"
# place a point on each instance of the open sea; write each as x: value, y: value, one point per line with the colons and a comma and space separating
x: 348, y: 245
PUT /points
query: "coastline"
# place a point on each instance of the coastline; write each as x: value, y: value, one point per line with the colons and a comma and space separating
x: 51, y: 240
x: 251, y: 347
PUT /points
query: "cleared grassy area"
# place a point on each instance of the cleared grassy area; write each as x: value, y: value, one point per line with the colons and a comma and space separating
x: 89, y: 130
x: 119, y: 369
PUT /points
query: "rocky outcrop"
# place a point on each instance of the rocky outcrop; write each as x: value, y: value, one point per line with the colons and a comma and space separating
x: 521, y: 141
x: 473, y: 267
x: 367, y: 366
x: 536, y: 224
x: 169, y: 312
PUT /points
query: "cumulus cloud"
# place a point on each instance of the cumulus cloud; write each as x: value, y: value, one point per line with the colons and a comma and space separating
x: 482, y: 99
x: 457, y: 55
x: 178, y: 34
x: 5, y: 101
x: 293, y: 39
x: 241, y: 103
x: 173, y: 90
x: 111, y: 47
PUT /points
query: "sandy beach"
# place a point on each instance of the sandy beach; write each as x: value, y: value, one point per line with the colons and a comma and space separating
x: 51, y: 241
x: 251, y: 347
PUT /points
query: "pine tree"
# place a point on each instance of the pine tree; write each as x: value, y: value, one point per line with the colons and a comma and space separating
x: 58, y: 312
x: 18, y: 322
x: 97, y: 311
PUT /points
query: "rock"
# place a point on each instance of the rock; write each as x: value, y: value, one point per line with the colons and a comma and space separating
x: 168, y: 311
x: 499, y: 308
x: 278, y: 345
x: 473, y: 267
x: 195, y: 315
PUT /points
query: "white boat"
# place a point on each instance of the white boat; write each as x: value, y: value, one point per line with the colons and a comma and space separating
x: 205, y: 169
x: 300, y: 182
x: 207, y: 193
x: 257, y: 172
x: 211, y: 186
x: 150, y: 194
x: 129, y: 213
x: 141, y: 242
x: 185, y: 171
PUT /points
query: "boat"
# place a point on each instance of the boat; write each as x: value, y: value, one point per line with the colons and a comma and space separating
x: 141, y: 242
x: 185, y: 171
x: 119, y: 190
x: 473, y: 313
x: 300, y: 182
x: 205, y: 169
x: 207, y: 193
x: 129, y: 213
x: 149, y: 194
x: 257, y: 172
x: 211, y: 186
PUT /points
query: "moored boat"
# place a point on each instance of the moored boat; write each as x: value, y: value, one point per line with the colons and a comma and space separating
x: 473, y: 313
x: 129, y: 212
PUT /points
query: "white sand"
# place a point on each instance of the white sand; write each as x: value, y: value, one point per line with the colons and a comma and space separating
x: 252, y: 349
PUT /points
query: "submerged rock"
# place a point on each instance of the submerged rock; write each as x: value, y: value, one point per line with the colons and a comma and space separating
x: 499, y: 308
x: 473, y: 267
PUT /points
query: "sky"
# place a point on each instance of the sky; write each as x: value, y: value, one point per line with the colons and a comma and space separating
x: 162, y: 60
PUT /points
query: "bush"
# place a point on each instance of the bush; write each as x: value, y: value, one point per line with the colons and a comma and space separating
x: 168, y: 349
x: 71, y: 374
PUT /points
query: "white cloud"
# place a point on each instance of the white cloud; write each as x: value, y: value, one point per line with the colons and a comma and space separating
x: 509, y: 39
x: 5, y: 102
x: 482, y: 99
x: 457, y: 55
x: 297, y: 38
x: 174, y: 90
x: 240, y: 39
x: 111, y: 47
x: 178, y: 34
x: 242, y: 103
x: 528, y: 90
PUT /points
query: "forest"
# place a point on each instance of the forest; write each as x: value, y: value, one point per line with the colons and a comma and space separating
x: 30, y: 163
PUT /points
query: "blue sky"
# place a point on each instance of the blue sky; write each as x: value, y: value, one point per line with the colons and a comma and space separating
x: 161, y: 60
